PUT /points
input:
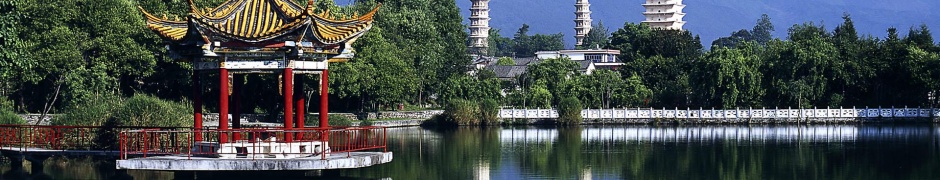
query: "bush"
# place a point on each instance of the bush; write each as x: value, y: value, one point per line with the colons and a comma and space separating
x: 139, y: 110
x: 145, y: 110
x: 569, y: 111
x: 111, y: 111
x: 366, y: 122
x: 337, y: 120
x: 461, y: 112
x: 8, y: 117
x: 90, y: 113
x: 489, y: 112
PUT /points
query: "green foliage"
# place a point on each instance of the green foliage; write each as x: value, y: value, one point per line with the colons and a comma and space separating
x: 8, y: 117
x: 335, y: 120
x: 597, y: 37
x: 569, y: 111
x: 525, y: 45
x: 732, y: 77
x: 366, y: 122
x: 505, y: 61
x: 483, y: 85
x: 499, y: 46
x: 557, y: 75
x: 138, y: 110
x: 608, y: 89
x: 411, y: 51
x: 666, y: 77
x: 539, y: 96
x: 461, y: 112
x: 489, y: 112
x: 94, y: 112
x: 146, y: 110
x: 637, y: 41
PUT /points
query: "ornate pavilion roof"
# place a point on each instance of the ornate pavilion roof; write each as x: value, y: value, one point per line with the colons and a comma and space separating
x: 263, y: 22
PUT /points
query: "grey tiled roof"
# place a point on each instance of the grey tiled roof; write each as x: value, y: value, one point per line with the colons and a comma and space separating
x: 507, y: 72
x: 525, y: 61
x: 584, y: 64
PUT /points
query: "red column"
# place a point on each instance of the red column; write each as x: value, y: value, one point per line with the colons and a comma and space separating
x: 288, y: 103
x: 300, y: 104
x: 324, y: 107
x: 237, y: 84
x: 223, y: 103
x: 197, y: 106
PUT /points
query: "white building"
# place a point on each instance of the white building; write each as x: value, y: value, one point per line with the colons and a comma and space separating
x: 479, y: 26
x: 664, y: 14
x: 582, y: 20
x: 589, y: 59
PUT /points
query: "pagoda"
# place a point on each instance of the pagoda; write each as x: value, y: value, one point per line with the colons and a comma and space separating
x: 664, y: 14
x: 582, y: 20
x: 479, y: 26
x: 242, y: 37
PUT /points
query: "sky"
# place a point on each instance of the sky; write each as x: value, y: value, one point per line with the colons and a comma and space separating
x: 712, y: 19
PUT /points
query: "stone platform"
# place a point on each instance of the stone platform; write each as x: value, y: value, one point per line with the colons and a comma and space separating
x: 183, y: 163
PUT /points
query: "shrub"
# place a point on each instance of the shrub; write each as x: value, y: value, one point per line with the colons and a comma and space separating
x: 569, y: 111
x: 8, y: 117
x: 139, y: 110
x: 461, y: 112
x: 337, y: 120
x: 366, y: 122
x: 112, y: 111
x: 145, y: 110
x: 90, y: 113
x: 489, y: 112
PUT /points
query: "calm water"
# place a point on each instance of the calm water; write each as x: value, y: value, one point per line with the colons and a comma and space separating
x: 628, y: 152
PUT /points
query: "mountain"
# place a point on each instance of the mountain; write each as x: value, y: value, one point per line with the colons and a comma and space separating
x: 712, y: 19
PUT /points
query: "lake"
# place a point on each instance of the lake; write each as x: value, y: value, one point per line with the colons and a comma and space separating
x: 864, y: 151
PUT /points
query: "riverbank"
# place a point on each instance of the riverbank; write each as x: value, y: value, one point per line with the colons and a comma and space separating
x: 619, y: 116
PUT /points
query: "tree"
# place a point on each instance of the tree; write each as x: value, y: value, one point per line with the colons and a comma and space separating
x: 728, y: 78
x: 666, y: 77
x: 526, y: 46
x: 637, y: 41
x: 557, y: 74
x: 599, y: 36
x: 499, y: 46
x: 14, y: 66
x: 505, y: 61
x: 738, y: 37
x: 762, y: 32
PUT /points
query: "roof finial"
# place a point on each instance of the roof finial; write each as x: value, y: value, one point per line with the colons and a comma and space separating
x: 310, y: 7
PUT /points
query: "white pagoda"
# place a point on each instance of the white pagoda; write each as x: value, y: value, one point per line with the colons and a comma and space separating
x: 664, y: 14
x: 479, y: 26
x: 582, y: 20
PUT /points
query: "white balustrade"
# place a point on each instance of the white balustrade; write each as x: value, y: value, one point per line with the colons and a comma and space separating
x: 649, y: 113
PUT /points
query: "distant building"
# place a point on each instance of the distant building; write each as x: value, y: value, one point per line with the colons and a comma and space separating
x: 582, y: 20
x: 479, y: 26
x: 664, y: 14
x: 589, y: 59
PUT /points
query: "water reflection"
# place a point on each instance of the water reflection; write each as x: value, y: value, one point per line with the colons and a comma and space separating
x: 819, y: 133
x: 665, y: 152
x: 637, y: 152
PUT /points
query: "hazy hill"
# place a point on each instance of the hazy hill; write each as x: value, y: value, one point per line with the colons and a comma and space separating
x: 716, y: 18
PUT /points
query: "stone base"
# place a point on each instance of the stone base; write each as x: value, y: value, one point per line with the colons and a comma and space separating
x: 259, y: 149
x: 183, y: 163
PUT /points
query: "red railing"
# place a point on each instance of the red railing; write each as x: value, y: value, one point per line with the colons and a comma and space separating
x: 251, y: 143
x: 34, y: 137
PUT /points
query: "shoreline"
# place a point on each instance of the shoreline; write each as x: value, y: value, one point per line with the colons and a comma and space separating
x: 804, y: 121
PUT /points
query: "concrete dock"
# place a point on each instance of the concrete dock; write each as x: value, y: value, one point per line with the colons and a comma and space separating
x: 184, y: 163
